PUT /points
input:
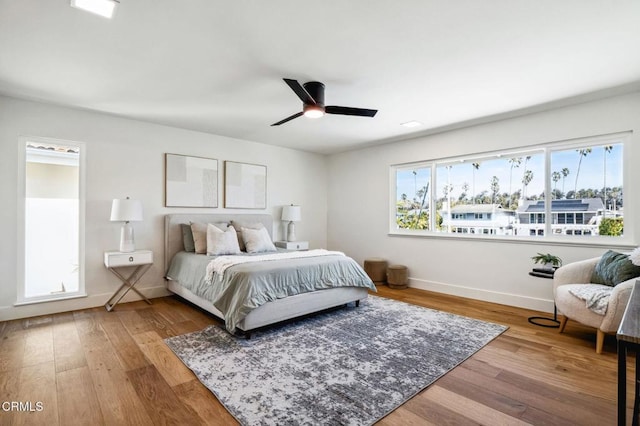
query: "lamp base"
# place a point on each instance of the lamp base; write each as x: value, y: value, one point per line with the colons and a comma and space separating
x: 291, y: 232
x: 127, y: 243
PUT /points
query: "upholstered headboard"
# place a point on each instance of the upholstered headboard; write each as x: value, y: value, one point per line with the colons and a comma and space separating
x: 173, y: 231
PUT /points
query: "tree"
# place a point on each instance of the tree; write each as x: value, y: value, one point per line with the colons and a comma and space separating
x: 476, y: 166
x: 581, y: 153
x: 465, y: 190
x: 526, y: 180
x: 607, y: 150
x: 565, y: 172
x: 495, y: 188
x: 423, y: 194
x: 611, y: 226
x: 514, y: 163
x: 415, y: 185
x: 555, y: 177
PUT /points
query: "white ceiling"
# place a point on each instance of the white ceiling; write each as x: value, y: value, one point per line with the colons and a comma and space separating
x: 217, y: 66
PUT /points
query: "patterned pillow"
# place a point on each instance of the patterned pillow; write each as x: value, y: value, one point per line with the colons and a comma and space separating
x: 221, y: 242
x: 614, y: 268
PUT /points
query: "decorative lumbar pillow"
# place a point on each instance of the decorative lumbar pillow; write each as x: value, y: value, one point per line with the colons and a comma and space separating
x: 221, y: 242
x: 187, y: 238
x: 614, y: 268
x: 238, y: 227
x: 199, y: 231
x: 257, y: 240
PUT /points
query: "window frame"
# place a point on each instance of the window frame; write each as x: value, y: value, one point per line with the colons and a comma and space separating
x: 21, y: 299
x: 628, y: 240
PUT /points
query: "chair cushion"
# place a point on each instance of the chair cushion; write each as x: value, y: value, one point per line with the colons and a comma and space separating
x: 614, y: 268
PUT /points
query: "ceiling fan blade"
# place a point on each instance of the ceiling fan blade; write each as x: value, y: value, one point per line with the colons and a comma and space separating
x: 362, y: 112
x: 304, y: 96
x: 296, y: 115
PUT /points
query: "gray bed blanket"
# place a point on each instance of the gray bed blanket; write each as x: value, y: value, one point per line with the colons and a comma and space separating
x: 246, y: 286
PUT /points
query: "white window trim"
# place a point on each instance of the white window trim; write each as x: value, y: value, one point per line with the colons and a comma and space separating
x: 627, y: 241
x: 20, y: 246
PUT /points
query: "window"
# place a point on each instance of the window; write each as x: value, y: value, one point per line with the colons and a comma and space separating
x: 52, y: 264
x: 412, y: 197
x: 578, y: 184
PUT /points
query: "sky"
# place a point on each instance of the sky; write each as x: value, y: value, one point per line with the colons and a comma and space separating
x: 591, y: 173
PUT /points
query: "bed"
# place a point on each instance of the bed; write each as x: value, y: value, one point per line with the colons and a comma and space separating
x: 186, y: 275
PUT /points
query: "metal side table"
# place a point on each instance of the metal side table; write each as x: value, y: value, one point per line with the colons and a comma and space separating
x: 546, y: 321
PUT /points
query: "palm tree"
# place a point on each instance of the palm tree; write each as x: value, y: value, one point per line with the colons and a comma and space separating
x: 524, y: 174
x: 526, y: 180
x: 495, y: 188
x: 565, y: 172
x: 476, y: 166
x: 582, y: 153
x: 465, y: 190
x: 415, y: 185
x: 607, y: 150
x: 514, y: 163
x: 555, y: 177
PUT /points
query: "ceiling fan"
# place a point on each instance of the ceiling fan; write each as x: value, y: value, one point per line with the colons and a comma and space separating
x: 312, y: 96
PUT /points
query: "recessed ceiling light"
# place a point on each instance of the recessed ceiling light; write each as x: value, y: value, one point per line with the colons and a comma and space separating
x: 411, y: 124
x: 104, y: 8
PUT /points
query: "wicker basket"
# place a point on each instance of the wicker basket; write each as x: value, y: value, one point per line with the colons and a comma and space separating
x: 376, y: 268
x: 397, y: 276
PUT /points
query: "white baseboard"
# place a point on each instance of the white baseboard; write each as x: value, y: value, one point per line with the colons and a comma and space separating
x: 47, y: 308
x: 543, y: 305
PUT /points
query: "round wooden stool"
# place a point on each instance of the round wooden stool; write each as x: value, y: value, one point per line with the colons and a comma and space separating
x: 376, y: 268
x: 397, y: 276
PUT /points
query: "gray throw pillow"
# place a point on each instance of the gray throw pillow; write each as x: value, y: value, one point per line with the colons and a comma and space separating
x: 614, y: 268
x: 187, y: 238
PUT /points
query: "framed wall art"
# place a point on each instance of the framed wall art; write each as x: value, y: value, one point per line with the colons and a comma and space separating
x: 190, y: 181
x: 245, y: 186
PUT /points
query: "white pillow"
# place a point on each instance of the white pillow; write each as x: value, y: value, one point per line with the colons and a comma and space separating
x: 221, y: 242
x: 239, y: 225
x: 257, y: 240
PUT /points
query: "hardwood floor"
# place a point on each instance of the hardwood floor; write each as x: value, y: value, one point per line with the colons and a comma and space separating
x: 94, y: 367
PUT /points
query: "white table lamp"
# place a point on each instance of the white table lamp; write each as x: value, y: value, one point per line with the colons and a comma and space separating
x: 126, y: 211
x: 291, y: 214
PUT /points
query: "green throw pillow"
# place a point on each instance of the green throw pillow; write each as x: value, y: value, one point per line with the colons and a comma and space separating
x: 187, y: 238
x: 614, y: 268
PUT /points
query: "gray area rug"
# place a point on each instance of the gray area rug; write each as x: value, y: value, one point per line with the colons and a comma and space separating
x: 351, y: 366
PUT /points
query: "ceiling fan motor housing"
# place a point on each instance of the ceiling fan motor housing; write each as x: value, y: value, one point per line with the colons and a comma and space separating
x: 316, y: 90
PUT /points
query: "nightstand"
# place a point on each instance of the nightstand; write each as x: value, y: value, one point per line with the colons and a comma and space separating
x: 292, y: 245
x: 114, y: 260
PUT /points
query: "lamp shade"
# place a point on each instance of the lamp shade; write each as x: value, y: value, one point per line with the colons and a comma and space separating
x: 291, y: 213
x: 126, y: 210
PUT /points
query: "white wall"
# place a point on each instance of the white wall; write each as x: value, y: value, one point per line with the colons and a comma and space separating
x: 126, y: 158
x: 358, y: 214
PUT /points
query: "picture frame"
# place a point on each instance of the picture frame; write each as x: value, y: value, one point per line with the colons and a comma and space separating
x: 245, y: 185
x: 190, y: 181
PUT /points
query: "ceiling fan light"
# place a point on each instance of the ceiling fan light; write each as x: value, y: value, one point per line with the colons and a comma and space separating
x: 313, y: 111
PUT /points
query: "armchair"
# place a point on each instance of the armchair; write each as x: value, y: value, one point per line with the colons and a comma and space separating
x: 570, y: 307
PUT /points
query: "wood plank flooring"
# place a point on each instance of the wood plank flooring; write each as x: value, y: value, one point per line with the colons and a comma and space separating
x: 94, y: 367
